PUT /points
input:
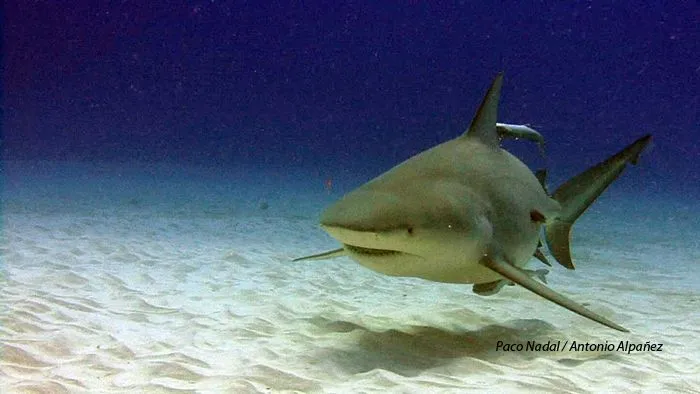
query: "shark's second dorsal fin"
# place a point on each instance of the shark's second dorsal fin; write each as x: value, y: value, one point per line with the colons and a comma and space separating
x: 483, y: 125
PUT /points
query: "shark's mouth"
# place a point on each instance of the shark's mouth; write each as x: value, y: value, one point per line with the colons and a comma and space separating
x: 370, y: 251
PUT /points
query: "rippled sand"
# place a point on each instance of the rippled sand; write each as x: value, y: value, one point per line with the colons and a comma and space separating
x: 127, y: 298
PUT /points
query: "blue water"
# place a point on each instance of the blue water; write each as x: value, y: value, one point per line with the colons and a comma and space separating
x: 310, y: 85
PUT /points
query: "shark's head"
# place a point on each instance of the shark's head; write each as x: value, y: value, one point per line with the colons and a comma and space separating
x: 410, y: 231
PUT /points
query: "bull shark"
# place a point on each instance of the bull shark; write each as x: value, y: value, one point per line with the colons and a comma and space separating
x: 467, y: 211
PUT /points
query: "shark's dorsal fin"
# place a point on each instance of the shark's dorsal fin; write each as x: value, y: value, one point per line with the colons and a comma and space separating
x: 483, y: 127
x: 541, y: 257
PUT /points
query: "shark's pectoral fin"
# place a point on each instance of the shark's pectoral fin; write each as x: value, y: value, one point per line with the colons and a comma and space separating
x: 517, y: 275
x: 331, y: 254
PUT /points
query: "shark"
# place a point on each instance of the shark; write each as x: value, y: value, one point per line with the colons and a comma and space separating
x: 467, y: 211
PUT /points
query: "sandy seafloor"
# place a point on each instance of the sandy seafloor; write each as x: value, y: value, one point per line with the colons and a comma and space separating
x: 127, y: 278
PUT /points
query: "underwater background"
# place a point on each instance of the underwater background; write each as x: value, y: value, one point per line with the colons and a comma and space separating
x: 163, y: 162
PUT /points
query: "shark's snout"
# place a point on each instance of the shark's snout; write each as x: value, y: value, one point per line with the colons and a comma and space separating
x: 368, y: 221
x: 365, y: 211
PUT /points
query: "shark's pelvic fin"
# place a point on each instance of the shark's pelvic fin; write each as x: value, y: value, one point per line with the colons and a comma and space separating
x: 483, y: 126
x: 520, y: 277
x: 331, y: 254
x: 578, y: 193
x: 491, y: 288
x: 541, y: 257
x: 540, y: 274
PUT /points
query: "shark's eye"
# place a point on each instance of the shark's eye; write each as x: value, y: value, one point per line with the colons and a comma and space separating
x: 410, y: 230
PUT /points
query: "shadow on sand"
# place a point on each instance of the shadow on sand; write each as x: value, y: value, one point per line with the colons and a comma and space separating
x: 411, y: 351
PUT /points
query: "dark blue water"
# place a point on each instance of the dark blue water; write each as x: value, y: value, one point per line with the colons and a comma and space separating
x: 348, y: 87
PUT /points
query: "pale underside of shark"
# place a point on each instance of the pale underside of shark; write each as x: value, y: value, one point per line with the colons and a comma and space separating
x: 467, y: 211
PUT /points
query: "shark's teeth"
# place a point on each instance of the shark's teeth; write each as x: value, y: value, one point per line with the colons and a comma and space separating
x: 369, y: 251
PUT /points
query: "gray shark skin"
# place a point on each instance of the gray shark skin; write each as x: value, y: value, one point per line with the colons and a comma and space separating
x: 467, y: 211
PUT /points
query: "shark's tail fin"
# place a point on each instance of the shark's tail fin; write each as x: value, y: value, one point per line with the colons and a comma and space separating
x: 578, y: 193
